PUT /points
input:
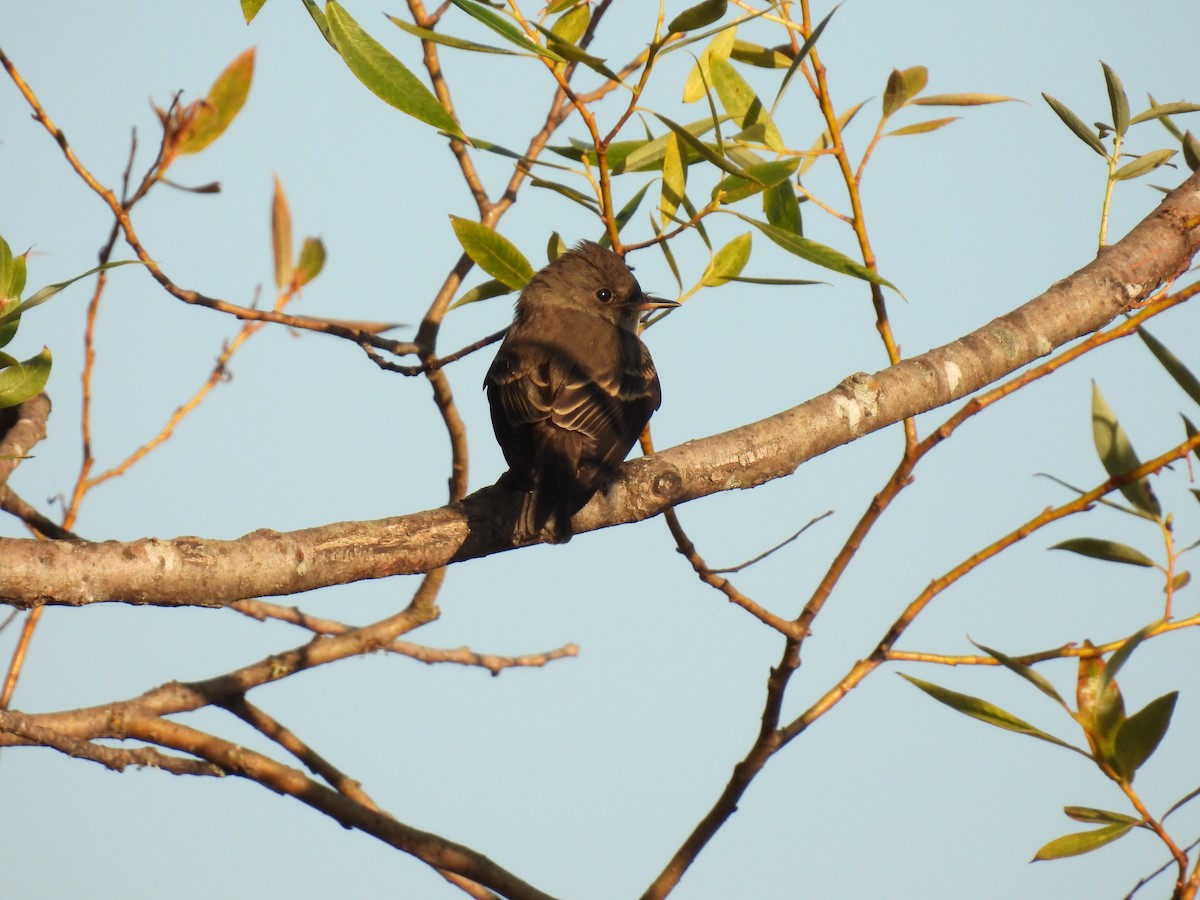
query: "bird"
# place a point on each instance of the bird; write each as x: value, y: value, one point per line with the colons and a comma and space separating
x: 572, y: 385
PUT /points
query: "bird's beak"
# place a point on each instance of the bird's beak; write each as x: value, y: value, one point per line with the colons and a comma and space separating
x: 647, y: 302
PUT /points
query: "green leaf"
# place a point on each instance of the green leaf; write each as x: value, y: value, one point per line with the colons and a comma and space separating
x: 782, y: 209
x: 742, y: 104
x: 485, y: 291
x: 1118, y: 456
x: 570, y: 193
x: 250, y: 9
x: 823, y: 256
x: 1099, y: 816
x: 41, y: 295
x: 1147, y: 162
x: 319, y: 20
x: 1117, y: 100
x: 384, y: 75
x: 984, y: 711
x: 728, y: 262
x: 758, y: 56
x: 668, y: 255
x: 702, y: 14
x: 703, y: 149
x: 674, y: 180
x: 1188, y: 427
x: 962, y: 99
x: 1112, y: 551
x: 626, y: 212
x: 311, y: 261
x: 801, y: 55
x: 1188, y: 798
x: 1076, y: 125
x: 778, y: 282
x: 505, y: 29
x: 1081, y: 842
x: 493, y: 253
x: 762, y: 176
x: 225, y: 99
x: 1121, y: 655
x: 1179, y: 581
x: 643, y: 156
x: 555, y: 246
x: 577, y: 54
x: 1027, y: 672
x: 25, y: 379
x: 923, y: 127
x: 446, y: 40
x: 902, y: 86
x: 825, y: 140
x: 1169, y: 361
x: 1159, y: 110
x: 1141, y: 733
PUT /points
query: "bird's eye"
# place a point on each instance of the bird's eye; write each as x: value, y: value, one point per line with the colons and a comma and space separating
x: 604, y: 295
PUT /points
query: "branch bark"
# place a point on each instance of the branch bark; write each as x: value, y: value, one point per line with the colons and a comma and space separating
x: 192, y: 571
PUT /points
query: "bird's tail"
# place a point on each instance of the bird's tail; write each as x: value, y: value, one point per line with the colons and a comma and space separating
x: 539, y: 510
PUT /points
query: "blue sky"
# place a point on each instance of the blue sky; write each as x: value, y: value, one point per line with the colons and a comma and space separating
x: 583, y: 777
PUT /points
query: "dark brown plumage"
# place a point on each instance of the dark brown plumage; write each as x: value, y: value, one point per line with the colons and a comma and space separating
x: 572, y: 385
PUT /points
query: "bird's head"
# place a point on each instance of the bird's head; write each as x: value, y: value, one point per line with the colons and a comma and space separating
x: 592, y: 279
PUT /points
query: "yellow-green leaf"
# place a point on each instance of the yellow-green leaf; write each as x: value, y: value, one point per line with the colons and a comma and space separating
x: 487, y: 290
x: 1081, y: 842
x: 902, y: 86
x: 742, y: 103
x: 1147, y: 162
x: 1117, y: 99
x: 923, y: 127
x: 250, y: 9
x: 762, y: 57
x: 225, y: 99
x: 493, y: 253
x: 728, y: 262
x: 1099, y: 816
x: 673, y: 181
x: 1076, y: 125
x: 720, y: 48
x: 961, y: 99
x: 572, y: 24
x: 1159, y: 110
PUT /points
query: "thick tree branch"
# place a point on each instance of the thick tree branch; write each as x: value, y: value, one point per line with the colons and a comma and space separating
x: 194, y: 571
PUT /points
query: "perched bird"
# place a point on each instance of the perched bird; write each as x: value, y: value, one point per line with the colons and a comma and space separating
x: 572, y: 385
